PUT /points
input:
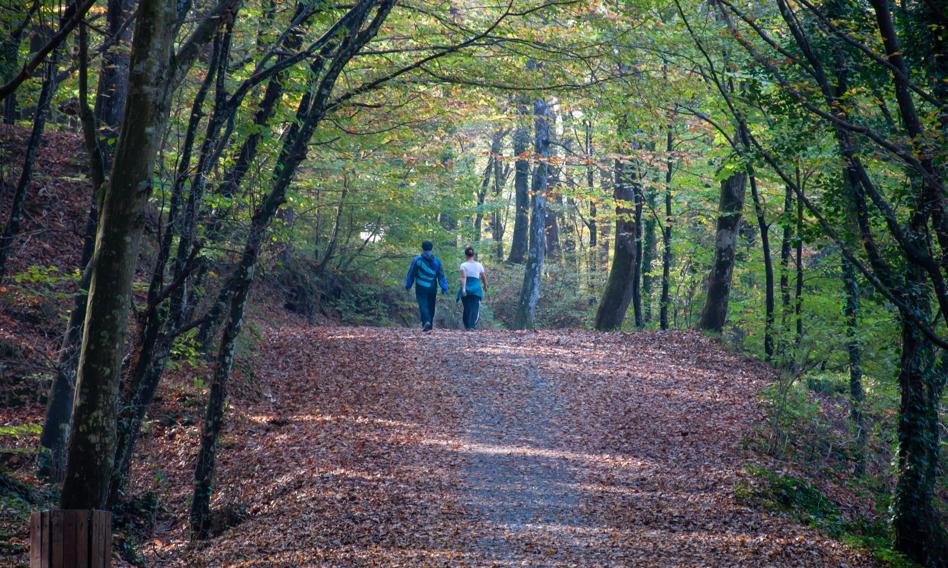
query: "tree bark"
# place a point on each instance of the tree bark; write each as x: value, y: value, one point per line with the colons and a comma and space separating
x: 530, y: 291
x: 648, y: 256
x: 501, y: 171
x: 153, y: 347
x: 918, y: 531
x: 113, y: 76
x: 12, y: 228
x: 667, y: 257
x: 482, y: 198
x: 59, y: 407
x: 623, y: 274
x: 857, y: 395
x: 521, y: 148
x: 798, y: 298
x: 786, y: 245
x: 722, y: 267
x: 768, y: 271
x: 91, y: 448
x: 311, y: 110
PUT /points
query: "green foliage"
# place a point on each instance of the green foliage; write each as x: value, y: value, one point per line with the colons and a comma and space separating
x: 45, y: 281
x: 186, y: 349
x: 799, y: 500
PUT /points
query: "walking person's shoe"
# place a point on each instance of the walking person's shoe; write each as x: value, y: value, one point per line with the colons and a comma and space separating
x: 426, y: 327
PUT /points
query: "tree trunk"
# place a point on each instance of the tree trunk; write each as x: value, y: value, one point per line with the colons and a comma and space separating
x: 798, y: 299
x: 91, y: 448
x: 113, y: 76
x: 623, y: 275
x: 59, y: 407
x: 552, y: 227
x: 530, y: 291
x: 768, y: 271
x: 521, y: 148
x: 857, y: 395
x: 501, y: 171
x: 312, y: 108
x: 9, y: 59
x: 214, y: 413
x: 158, y: 329
x: 786, y: 245
x: 608, y: 186
x: 648, y: 256
x: 722, y: 267
x: 590, y: 186
x: 12, y: 228
x: 667, y: 233
x: 918, y: 532
x: 637, y: 236
x: 482, y: 198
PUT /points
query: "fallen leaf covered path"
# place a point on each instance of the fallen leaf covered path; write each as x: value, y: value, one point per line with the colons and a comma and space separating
x: 390, y: 447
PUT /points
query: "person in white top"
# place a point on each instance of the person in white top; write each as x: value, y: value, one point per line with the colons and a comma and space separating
x: 473, y: 288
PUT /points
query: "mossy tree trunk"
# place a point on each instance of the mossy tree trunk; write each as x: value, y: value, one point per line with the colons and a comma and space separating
x: 91, y: 447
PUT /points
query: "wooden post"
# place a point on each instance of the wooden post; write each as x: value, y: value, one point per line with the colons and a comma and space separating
x: 71, y: 538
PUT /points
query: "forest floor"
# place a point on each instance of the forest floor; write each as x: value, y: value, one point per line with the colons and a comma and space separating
x: 375, y: 446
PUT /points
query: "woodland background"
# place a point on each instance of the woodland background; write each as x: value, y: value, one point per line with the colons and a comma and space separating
x: 772, y: 173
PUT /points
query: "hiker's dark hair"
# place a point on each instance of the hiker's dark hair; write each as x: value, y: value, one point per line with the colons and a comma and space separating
x: 469, y: 252
x: 426, y: 245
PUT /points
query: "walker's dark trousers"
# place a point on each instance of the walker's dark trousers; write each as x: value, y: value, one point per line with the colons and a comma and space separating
x: 426, y: 304
x: 472, y: 311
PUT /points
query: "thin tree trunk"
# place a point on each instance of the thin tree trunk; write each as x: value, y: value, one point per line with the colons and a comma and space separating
x: 337, y: 223
x: 59, y: 407
x: 311, y: 110
x: 768, y: 270
x: 530, y: 291
x: 854, y: 351
x: 722, y: 267
x: 590, y: 186
x: 521, y: 148
x: 12, y: 228
x: 154, y: 344
x: 648, y: 256
x: 482, y: 198
x: 608, y: 186
x: 667, y: 257
x: 637, y: 235
x: 786, y: 246
x: 113, y: 76
x: 501, y: 171
x: 798, y: 300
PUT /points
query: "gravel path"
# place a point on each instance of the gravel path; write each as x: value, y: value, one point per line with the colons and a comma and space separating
x: 389, y: 447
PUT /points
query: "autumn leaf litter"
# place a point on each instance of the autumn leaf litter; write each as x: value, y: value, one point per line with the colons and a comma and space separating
x: 390, y: 447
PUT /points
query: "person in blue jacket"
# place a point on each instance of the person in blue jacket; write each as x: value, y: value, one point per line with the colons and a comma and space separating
x: 426, y: 273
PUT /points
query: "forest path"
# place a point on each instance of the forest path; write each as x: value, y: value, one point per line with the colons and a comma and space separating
x: 393, y: 447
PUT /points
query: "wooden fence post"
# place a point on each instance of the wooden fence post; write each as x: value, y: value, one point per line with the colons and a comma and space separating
x: 71, y: 538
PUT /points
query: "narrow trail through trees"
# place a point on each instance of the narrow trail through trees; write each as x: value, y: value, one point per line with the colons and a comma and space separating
x: 391, y: 447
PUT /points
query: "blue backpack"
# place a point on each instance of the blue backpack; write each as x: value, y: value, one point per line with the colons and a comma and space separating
x: 426, y: 272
